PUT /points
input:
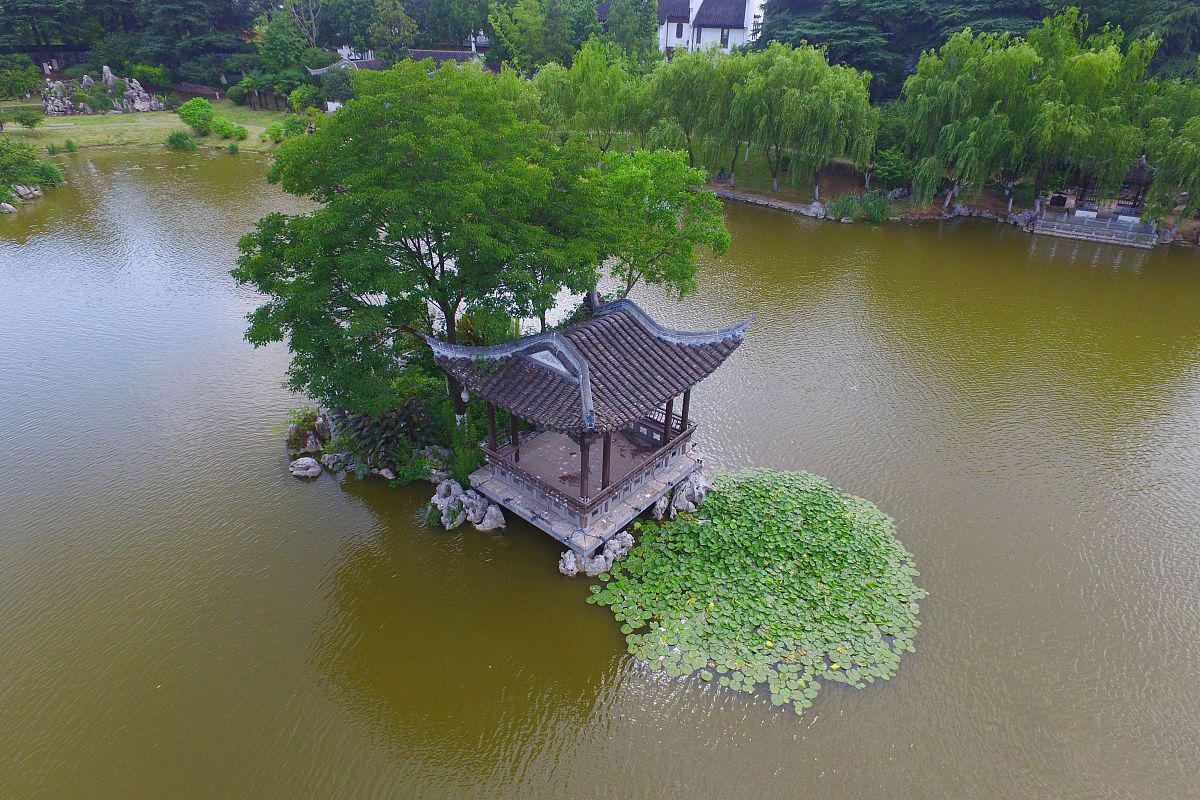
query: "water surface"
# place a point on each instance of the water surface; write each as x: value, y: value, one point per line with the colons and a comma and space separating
x: 181, y: 618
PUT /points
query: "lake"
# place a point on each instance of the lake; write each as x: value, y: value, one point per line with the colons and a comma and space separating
x: 179, y: 617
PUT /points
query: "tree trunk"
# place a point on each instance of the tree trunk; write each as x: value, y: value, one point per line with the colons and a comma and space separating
x: 867, y: 179
x: 950, y: 196
x: 733, y: 163
x: 454, y: 388
x: 542, y: 319
x: 816, y: 186
x: 774, y: 181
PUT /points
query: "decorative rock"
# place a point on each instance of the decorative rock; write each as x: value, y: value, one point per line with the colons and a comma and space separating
x: 303, y: 443
x: 567, y: 564
x: 87, y: 82
x: 334, y: 462
x: 663, y: 508
x: 690, y: 494
x: 493, y: 518
x: 846, y: 219
x: 816, y: 210
x: 321, y: 428
x: 899, y: 193
x: 384, y: 473
x: 107, y: 77
x: 960, y: 210
x: 7, y: 208
x: 448, y: 498
x: 476, y: 506
x: 614, y: 549
x: 305, y: 468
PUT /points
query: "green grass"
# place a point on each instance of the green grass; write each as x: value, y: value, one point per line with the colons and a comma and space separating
x: 115, y: 130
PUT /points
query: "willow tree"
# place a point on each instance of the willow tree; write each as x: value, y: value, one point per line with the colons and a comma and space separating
x: 1177, y: 177
x: 730, y: 121
x: 806, y: 113
x: 680, y: 91
x: 600, y: 84
x: 431, y: 197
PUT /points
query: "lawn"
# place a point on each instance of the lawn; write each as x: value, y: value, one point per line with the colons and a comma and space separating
x: 109, y: 130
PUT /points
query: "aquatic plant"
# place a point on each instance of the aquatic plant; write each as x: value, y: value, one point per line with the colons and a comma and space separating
x: 778, y: 580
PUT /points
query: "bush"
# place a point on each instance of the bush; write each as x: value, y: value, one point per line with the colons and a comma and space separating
x: 237, y: 94
x: 844, y: 206
x: 273, y: 133
x: 198, y: 113
x: 873, y: 206
x: 20, y: 163
x: 304, y: 97
x: 181, y: 140
x: 240, y: 133
x: 53, y: 149
x: 150, y: 77
x: 223, y: 128
x: 892, y: 168
x: 28, y: 117
x: 294, y: 125
x: 70, y: 146
x: 97, y: 100
x: 232, y: 149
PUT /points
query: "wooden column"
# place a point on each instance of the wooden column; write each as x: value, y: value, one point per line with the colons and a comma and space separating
x: 683, y: 412
x: 606, y: 463
x: 667, y: 421
x: 585, y: 443
x: 515, y: 433
x: 491, y: 423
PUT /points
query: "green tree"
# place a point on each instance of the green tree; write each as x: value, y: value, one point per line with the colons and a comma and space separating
x: 1177, y: 158
x: 632, y: 25
x: 680, y: 89
x: 392, y: 32
x: 19, y: 76
x: 600, y: 86
x: 280, y: 45
x: 660, y: 212
x: 729, y: 124
x: 20, y: 164
x: 807, y: 113
x: 28, y: 117
x: 431, y: 199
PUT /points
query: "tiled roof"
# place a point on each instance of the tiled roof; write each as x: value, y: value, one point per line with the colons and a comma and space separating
x: 599, y: 374
x: 721, y: 14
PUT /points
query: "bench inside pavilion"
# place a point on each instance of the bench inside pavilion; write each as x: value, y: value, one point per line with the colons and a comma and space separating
x: 595, y: 438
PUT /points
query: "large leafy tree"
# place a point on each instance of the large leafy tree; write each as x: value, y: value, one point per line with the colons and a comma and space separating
x: 433, y: 198
x: 680, y: 88
x: 18, y: 76
x: 530, y: 33
x: 659, y: 214
x: 632, y: 26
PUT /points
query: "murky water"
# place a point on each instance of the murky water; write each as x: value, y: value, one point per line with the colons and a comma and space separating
x: 180, y: 618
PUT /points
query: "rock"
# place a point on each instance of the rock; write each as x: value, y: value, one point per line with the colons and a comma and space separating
x: 86, y: 81
x: 1022, y: 218
x: 384, y: 473
x: 983, y: 213
x: 305, y: 468
x: 7, y: 208
x: 567, y: 564
x: 107, y: 77
x: 448, y: 488
x: 322, y: 429
x: 846, y: 219
x: 959, y: 210
x: 304, y: 442
x: 27, y: 192
x: 476, y: 506
x: 334, y: 462
x: 816, y: 210
x: 899, y: 193
x: 690, y: 494
x: 663, y: 508
x: 493, y: 518
x: 447, y: 498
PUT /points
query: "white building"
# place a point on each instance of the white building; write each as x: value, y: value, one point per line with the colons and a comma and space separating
x: 703, y: 24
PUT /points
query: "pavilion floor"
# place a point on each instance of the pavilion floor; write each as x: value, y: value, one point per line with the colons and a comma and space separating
x: 554, y: 457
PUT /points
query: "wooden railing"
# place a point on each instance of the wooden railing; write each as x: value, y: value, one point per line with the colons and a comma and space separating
x: 583, y: 512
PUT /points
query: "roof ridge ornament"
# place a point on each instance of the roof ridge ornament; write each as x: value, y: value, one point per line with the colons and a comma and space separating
x: 735, y: 333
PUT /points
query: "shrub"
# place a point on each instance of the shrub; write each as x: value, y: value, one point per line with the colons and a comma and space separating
x: 240, y: 133
x: 233, y: 148
x: 197, y: 113
x: 304, y: 97
x: 70, y: 146
x: 95, y: 100
x: 53, y: 149
x: 873, y: 206
x: 294, y: 125
x: 844, y: 206
x: 28, y: 117
x: 892, y: 168
x: 150, y: 77
x: 237, y: 94
x: 20, y: 163
x: 223, y: 127
x: 273, y: 133
x: 181, y: 140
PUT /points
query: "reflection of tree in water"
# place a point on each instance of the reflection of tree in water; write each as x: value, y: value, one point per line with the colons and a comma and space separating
x: 462, y: 657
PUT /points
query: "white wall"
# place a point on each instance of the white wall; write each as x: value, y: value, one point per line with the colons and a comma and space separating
x: 667, y: 38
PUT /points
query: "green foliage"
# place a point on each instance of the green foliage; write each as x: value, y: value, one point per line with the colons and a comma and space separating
x: 844, y: 206
x: 53, y: 149
x: 280, y: 45
x: 223, y: 127
x: 238, y: 93
x: 181, y: 140
x: 392, y: 31
x: 272, y: 133
x: 304, y: 97
x: 530, y: 33
x: 302, y: 418
x: 198, y: 113
x: 233, y: 149
x: 891, y: 168
x: 240, y: 133
x: 19, y: 76
x: 150, y: 77
x: 95, y: 99
x: 27, y: 117
x: 778, y: 581
x: 70, y: 146
x: 335, y: 85
x: 660, y: 214
x: 294, y: 125
x: 872, y: 207
x: 632, y: 25
x: 21, y: 164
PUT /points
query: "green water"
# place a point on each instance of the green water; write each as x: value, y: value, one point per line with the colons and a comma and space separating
x: 179, y: 618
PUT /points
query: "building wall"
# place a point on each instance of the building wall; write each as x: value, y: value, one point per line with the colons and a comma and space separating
x: 667, y: 40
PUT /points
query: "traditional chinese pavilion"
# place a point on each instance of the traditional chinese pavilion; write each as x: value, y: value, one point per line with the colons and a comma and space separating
x: 595, y: 438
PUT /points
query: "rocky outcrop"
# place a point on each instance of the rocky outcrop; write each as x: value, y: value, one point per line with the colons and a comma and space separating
x: 7, y: 208
x: 571, y: 564
x: 454, y: 507
x: 305, y: 468
x: 691, y: 494
x: 59, y: 98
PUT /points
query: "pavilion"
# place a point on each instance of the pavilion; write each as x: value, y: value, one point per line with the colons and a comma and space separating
x: 594, y: 438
